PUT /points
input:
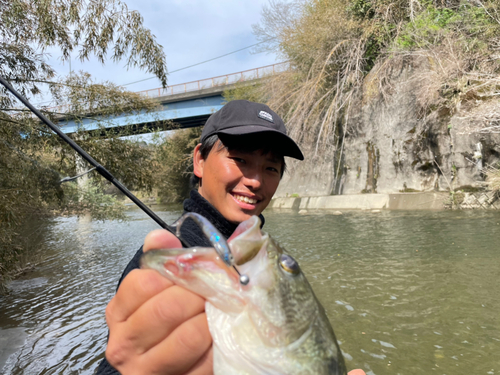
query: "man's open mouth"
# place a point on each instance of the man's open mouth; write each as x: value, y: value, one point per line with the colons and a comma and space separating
x: 244, y: 199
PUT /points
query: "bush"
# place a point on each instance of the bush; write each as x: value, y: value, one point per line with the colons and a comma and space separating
x: 433, y: 23
x: 175, y: 164
x: 254, y: 93
x: 91, y: 199
x: 332, y: 45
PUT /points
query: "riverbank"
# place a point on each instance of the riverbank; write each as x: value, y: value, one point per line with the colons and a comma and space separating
x: 392, y: 201
x: 24, y: 251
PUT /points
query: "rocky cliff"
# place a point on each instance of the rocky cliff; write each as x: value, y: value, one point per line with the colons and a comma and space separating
x: 394, y: 142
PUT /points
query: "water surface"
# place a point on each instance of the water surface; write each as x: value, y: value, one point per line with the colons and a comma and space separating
x: 407, y: 292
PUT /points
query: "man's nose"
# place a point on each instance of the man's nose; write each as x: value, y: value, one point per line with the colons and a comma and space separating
x: 253, y: 179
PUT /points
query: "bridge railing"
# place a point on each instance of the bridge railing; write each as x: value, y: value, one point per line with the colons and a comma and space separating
x: 246, y: 75
x: 223, y: 80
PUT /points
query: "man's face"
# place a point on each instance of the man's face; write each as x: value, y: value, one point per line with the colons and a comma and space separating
x: 238, y: 184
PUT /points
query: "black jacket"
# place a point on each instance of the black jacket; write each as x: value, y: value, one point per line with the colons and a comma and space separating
x: 192, y: 234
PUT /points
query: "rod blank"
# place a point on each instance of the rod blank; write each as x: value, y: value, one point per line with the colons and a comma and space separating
x: 99, y: 168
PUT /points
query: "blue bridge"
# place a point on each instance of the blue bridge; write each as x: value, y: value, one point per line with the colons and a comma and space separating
x: 181, y: 106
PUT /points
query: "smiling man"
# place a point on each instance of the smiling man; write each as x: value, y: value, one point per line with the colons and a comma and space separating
x: 156, y: 327
x: 241, y: 175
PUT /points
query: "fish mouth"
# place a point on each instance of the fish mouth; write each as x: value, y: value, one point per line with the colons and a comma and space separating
x: 184, y: 265
x: 181, y: 265
x: 246, y: 241
x: 204, y: 272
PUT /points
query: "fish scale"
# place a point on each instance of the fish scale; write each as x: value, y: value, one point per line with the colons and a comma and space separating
x: 273, y: 325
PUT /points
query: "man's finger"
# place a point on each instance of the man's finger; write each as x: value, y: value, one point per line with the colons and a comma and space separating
x: 161, y: 239
x: 356, y: 372
x: 190, y: 341
x: 205, y: 366
x: 160, y: 316
x: 136, y: 288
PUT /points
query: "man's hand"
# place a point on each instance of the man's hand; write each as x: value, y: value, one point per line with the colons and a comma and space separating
x: 156, y: 327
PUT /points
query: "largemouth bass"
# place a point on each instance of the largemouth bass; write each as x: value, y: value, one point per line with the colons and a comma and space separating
x: 272, y: 325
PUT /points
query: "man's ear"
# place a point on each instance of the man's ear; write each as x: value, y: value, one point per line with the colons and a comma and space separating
x: 198, y: 162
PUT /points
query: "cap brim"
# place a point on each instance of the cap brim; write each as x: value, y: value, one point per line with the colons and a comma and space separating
x: 286, y: 146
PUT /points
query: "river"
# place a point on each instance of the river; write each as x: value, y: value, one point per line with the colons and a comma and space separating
x: 407, y: 292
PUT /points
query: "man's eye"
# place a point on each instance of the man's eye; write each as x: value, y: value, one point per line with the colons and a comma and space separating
x: 273, y: 169
x: 238, y: 160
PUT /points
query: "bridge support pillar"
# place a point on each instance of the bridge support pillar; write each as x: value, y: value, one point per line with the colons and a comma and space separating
x: 81, y: 167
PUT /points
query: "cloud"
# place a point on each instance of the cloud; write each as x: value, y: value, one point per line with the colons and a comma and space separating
x: 190, y: 31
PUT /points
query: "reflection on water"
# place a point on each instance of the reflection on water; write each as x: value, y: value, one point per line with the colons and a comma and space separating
x: 408, y: 293
x: 60, y: 306
x: 11, y: 340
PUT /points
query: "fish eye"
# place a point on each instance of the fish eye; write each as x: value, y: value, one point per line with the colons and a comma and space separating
x: 289, y: 265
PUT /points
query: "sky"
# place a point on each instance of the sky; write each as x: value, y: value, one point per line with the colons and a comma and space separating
x: 190, y: 31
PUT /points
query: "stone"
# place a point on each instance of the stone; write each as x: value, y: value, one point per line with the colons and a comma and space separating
x: 396, y: 145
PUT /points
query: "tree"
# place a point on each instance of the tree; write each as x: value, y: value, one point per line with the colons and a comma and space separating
x: 277, y: 18
x: 32, y: 159
x: 331, y: 46
x: 93, y: 27
x: 175, y: 164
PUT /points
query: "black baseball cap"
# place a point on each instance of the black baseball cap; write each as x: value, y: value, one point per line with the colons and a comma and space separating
x: 243, y: 117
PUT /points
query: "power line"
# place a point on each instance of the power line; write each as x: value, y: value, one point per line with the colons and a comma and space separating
x: 190, y: 66
x: 203, y: 62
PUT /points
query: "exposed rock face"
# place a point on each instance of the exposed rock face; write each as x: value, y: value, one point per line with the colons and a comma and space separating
x: 393, y: 145
x: 308, y: 178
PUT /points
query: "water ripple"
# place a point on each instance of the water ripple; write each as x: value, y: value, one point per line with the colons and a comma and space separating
x: 407, y: 293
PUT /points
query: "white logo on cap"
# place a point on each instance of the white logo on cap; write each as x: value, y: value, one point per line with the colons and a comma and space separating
x: 266, y: 116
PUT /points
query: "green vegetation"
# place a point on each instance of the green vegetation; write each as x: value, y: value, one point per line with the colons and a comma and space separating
x: 434, y: 23
x: 344, y: 53
x: 245, y: 91
x: 339, y: 50
x: 91, y: 199
x: 175, y: 164
x: 32, y: 159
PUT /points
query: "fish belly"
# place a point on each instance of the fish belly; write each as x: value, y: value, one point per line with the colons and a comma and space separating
x: 238, y: 350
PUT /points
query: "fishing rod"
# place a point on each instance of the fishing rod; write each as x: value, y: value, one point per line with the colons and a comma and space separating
x: 99, y: 168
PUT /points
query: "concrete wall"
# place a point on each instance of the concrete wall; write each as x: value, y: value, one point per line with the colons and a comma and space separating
x: 396, y: 201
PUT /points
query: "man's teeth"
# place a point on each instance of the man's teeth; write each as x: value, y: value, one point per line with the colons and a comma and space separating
x: 241, y: 198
